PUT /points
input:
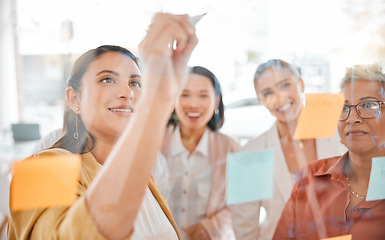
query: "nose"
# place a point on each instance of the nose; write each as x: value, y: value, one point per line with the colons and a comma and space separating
x: 125, y: 92
x: 353, y: 117
x: 193, y: 101
x: 279, y: 100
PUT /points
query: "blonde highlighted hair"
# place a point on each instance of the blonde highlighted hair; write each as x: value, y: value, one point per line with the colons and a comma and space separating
x: 364, y: 72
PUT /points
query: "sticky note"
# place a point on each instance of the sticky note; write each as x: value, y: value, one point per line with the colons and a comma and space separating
x: 47, y: 181
x: 376, y: 189
x: 319, y: 116
x: 249, y: 176
x: 344, y: 237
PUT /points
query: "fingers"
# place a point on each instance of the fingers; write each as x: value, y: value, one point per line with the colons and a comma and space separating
x: 197, y: 232
x: 163, y: 31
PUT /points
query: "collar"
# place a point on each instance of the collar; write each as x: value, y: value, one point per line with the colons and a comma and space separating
x: 176, y: 146
x: 334, y: 168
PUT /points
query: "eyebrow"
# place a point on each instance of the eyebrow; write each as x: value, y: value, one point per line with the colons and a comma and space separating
x: 278, y: 83
x: 364, y: 98
x: 108, y: 71
x: 283, y: 80
x: 117, y: 74
x: 201, y: 91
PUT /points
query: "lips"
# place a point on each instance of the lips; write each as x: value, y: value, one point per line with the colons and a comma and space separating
x: 284, y: 108
x: 356, y: 133
x: 193, y: 114
x: 124, y: 109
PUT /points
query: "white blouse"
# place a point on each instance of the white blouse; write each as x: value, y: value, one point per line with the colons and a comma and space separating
x: 190, y: 181
x: 152, y: 222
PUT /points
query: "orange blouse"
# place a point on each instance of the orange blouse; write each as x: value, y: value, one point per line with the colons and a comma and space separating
x: 318, y: 202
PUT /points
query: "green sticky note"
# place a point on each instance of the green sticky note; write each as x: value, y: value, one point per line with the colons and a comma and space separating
x: 249, y: 176
x: 376, y: 189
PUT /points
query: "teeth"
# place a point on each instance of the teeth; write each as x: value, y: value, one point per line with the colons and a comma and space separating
x: 284, y: 107
x: 120, y: 110
x: 193, y: 114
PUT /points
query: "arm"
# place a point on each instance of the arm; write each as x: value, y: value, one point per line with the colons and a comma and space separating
x: 286, y: 225
x: 115, y: 196
x: 246, y: 220
x: 219, y: 226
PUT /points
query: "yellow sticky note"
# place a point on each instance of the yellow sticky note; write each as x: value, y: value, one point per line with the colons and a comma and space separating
x: 345, y: 237
x: 44, y: 182
x: 320, y: 115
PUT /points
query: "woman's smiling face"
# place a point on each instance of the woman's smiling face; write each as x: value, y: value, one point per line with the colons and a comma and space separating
x: 109, y: 91
x: 196, y: 105
x: 280, y: 92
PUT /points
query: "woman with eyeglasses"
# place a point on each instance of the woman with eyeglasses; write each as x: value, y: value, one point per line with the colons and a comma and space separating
x: 329, y: 198
x: 279, y: 87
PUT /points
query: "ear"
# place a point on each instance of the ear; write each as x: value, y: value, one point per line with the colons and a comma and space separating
x: 302, y: 83
x: 217, y: 101
x: 73, y: 98
x: 260, y: 100
x: 256, y: 93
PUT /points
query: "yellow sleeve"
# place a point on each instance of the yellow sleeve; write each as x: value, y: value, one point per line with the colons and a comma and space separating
x: 73, y: 222
x: 70, y: 222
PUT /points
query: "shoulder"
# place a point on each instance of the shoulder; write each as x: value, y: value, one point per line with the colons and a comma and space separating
x: 52, y: 151
x: 258, y: 142
x: 224, y: 139
x: 321, y: 167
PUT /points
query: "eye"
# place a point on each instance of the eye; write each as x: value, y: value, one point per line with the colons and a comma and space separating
x: 136, y: 84
x: 107, y: 80
x: 184, y: 95
x: 204, y: 95
x: 368, y: 105
x: 266, y: 94
x: 285, y: 85
x: 346, y: 108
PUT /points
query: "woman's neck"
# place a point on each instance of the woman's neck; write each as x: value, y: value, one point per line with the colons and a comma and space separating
x: 102, y: 149
x: 191, y: 137
x: 359, y: 168
x: 286, y: 129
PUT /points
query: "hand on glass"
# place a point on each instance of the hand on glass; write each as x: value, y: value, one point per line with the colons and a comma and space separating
x: 165, y: 68
x: 197, y: 232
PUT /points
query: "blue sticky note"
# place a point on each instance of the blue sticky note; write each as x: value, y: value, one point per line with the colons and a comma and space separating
x: 376, y: 189
x: 249, y: 176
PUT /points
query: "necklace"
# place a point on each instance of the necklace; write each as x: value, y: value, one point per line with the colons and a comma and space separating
x: 362, y: 197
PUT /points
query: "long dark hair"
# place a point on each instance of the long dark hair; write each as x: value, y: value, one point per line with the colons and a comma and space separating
x: 68, y: 141
x: 218, y: 118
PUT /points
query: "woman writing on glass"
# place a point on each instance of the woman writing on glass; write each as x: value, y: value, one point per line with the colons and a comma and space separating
x: 279, y: 87
x: 116, y: 118
x: 329, y: 198
x: 196, y: 156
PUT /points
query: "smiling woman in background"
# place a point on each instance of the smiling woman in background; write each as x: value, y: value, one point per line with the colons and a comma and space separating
x: 115, y: 118
x: 329, y: 198
x: 279, y: 87
x: 196, y: 156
